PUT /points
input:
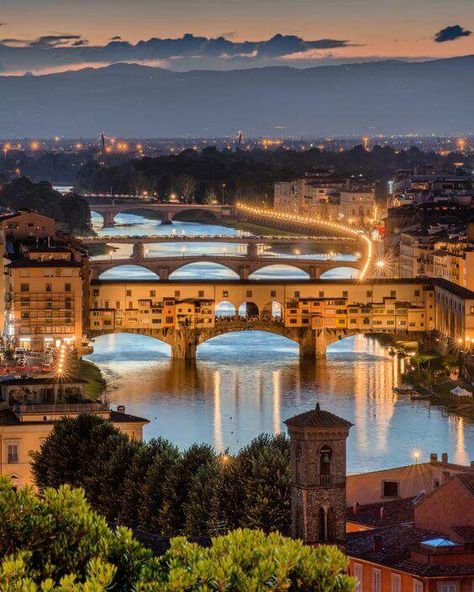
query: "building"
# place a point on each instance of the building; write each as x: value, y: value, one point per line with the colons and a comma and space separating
x: 318, y: 476
x: 408, y: 541
x: 46, y: 278
x: 428, y: 549
x: 320, y: 193
x: 24, y: 427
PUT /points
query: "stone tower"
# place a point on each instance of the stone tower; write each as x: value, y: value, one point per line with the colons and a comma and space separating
x: 318, y: 476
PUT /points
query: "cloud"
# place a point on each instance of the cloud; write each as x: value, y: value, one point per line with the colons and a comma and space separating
x: 451, y: 33
x: 50, y: 52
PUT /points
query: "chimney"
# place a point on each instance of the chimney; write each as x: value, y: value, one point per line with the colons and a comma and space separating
x: 381, y: 512
x: 444, y: 458
x: 446, y: 476
x: 433, y: 457
x: 355, y: 508
x: 377, y: 543
x: 121, y: 408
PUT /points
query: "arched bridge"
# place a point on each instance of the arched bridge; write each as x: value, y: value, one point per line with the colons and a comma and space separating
x: 167, y: 211
x: 184, y: 340
x: 241, y: 265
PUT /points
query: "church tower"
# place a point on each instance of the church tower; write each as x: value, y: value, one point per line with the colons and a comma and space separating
x: 318, y: 476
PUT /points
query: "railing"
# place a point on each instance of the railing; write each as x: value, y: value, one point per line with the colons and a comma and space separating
x: 325, y: 480
x: 61, y: 408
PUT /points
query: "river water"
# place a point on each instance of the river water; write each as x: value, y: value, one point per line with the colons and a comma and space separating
x: 243, y: 384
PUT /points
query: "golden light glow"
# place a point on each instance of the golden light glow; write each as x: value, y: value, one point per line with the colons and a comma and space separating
x: 316, y: 221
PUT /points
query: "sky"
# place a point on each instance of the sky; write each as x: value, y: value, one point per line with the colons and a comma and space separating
x: 53, y: 35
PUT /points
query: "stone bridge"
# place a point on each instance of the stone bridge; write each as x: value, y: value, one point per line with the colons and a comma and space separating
x: 241, y: 265
x: 167, y: 211
x: 185, y: 340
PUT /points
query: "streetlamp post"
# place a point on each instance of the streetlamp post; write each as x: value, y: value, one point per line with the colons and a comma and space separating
x: 223, y: 194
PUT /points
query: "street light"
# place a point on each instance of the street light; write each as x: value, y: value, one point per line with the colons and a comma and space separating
x: 223, y: 194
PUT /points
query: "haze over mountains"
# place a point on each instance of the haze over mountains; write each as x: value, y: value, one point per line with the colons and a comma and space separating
x: 139, y: 101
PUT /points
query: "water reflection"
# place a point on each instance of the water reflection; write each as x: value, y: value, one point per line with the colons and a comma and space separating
x: 247, y: 383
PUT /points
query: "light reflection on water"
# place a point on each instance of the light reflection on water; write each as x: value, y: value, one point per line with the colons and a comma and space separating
x: 247, y: 383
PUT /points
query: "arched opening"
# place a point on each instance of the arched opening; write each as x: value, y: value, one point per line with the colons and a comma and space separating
x: 343, y: 272
x: 203, y: 270
x: 323, y: 524
x: 225, y: 310
x: 249, y: 310
x: 277, y: 271
x: 128, y: 272
x: 248, y: 346
x: 97, y: 220
x: 136, y: 214
x: 119, y: 354
x: 325, y: 458
x: 272, y: 311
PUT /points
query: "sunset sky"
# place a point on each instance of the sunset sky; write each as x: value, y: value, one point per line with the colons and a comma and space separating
x: 370, y: 28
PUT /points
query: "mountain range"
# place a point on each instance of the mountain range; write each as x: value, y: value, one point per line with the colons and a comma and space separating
x: 388, y: 97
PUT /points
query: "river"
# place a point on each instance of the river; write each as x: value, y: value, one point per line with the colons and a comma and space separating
x: 243, y: 384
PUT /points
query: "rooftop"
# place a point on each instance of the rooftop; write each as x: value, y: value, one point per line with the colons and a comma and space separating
x: 317, y: 418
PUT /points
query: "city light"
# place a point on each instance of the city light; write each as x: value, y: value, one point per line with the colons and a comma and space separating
x: 316, y: 221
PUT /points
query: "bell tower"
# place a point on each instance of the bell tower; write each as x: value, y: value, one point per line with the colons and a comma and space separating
x: 318, y: 476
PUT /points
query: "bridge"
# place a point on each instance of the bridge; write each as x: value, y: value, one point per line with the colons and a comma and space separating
x: 345, y: 243
x: 312, y: 313
x: 167, y: 211
x: 243, y: 266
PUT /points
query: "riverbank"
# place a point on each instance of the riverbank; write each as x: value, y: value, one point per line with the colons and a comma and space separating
x: 96, y: 383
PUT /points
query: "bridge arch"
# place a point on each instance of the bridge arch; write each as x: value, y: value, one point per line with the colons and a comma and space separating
x: 198, y: 266
x: 280, y: 270
x: 134, y: 271
x: 344, y: 271
x: 225, y: 308
x: 272, y: 310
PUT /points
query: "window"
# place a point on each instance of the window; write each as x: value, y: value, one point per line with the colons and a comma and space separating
x: 325, y: 455
x: 225, y: 293
x: 67, y: 287
x: 448, y: 587
x: 396, y: 583
x: 417, y: 586
x: 129, y: 292
x: 393, y: 293
x: 376, y: 580
x: 321, y: 294
x: 201, y: 294
x: 369, y: 293
x: 177, y: 293
x: 152, y: 293
x: 297, y: 294
x: 358, y: 574
x: 117, y: 304
x: 25, y: 287
x: 417, y: 293
x: 12, y: 453
x: 48, y: 287
x: 345, y: 293
x: 390, y: 489
x: 273, y: 293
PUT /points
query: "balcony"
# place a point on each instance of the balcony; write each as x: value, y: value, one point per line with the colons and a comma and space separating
x: 60, y: 408
x: 326, y: 480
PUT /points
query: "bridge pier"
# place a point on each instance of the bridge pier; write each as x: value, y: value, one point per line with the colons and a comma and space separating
x: 138, y: 251
x: 244, y: 272
x: 184, y: 345
x: 252, y: 250
x: 167, y: 218
x: 314, y: 272
x: 164, y: 273
x: 109, y: 219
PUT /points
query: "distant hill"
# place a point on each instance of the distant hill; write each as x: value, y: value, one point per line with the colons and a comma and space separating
x: 139, y: 101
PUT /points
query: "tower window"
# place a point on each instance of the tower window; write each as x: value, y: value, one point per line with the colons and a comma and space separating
x: 325, y: 455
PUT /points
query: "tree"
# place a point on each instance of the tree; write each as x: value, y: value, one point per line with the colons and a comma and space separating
x: 186, y: 187
x: 248, y: 560
x: 58, y: 537
x: 56, y: 543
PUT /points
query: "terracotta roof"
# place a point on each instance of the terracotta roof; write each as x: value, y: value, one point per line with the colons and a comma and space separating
x: 380, y: 514
x: 317, y: 418
x: 467, y: 479
x: 119, y: 417
x: 392, y: 546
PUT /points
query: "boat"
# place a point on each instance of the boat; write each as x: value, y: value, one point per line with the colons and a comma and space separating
x: 405, y: 390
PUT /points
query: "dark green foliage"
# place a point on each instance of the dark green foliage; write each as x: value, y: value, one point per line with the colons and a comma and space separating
x: 56, y: 543
x: 71, y: 211
x: 58, y: 534
x: 156, y: 488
